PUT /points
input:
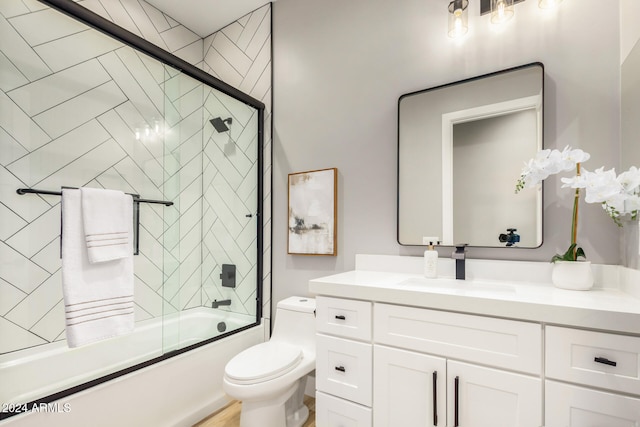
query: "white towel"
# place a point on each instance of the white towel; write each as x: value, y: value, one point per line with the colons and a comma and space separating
x: 107, y: 215
x: 98, y: 298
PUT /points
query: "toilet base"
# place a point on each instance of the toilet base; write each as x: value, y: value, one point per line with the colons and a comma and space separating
x: 298, y: 418
x: 277, y: 412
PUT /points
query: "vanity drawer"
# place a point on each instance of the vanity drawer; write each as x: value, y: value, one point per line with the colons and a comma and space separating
x: 344, y: 368
x: 574, y: 406
x: 598, y: 359
x: 495, y: 342
x: 334, y: 412
x: 344, y: 318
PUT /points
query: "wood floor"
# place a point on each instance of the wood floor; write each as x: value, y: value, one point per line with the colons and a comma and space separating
x: 229, y: 416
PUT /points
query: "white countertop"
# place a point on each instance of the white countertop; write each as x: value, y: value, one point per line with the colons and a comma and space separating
x: 611, y: 305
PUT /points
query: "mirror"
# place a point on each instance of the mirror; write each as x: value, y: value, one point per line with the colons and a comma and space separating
x: 630, y: 149
x: 461, y: 148
x: 630, y: 108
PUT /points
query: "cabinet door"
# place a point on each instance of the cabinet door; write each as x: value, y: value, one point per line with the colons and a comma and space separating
x: 409, y: 389
x: 485, y: 397
x: 572, y: 406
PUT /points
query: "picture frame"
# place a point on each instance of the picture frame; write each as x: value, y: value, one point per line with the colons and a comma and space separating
x: 312, y: 214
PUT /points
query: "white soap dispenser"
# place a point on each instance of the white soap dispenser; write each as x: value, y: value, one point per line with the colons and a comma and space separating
x: 430, y: 258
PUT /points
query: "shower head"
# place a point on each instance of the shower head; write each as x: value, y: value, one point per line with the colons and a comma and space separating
x: 220, y: 125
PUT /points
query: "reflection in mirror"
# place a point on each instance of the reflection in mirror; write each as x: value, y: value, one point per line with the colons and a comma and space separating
x: 630, y: 148
x: 459, y: 147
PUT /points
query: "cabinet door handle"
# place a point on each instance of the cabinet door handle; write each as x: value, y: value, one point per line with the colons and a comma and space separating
x: 456, y: 384
x: 341, y: 369
x: 340, y: 317
x: 435, y: 398
x: 605, y: 361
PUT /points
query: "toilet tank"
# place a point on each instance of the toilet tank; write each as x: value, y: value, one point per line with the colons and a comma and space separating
x: 296, y: 321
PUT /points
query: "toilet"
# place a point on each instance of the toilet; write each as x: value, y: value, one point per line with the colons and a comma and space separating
x: 270, y: 378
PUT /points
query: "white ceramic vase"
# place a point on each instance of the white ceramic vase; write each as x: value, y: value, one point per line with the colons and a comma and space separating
x: 573, y: 275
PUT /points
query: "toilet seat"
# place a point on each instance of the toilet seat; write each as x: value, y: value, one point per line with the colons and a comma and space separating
x: 263, y: 362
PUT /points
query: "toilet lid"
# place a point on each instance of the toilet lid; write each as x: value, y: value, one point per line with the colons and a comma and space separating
x: 263, y: 362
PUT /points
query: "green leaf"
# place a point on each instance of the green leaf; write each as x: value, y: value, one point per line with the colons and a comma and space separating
x: 569, y: 254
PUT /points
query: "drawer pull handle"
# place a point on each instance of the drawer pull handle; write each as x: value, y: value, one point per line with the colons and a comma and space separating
x: 435, y: 398
x: 456, y: 403
x: 340, y: 317
x: 605, y: 361
x: 341, y: 369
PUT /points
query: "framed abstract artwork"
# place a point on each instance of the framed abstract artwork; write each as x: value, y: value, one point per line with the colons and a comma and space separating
x: 313, y: 210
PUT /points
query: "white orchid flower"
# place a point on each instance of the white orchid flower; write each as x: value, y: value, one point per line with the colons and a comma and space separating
x: 578, y: 181
x: 571, y: 157
x: 630, y: 180
x: 601, y: 185
x: 549, y: 162
x: 618, y: 195
x: 632, y: 205
x: 614, y: 205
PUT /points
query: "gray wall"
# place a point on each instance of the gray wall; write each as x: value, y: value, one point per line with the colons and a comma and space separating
x: 340, y: 66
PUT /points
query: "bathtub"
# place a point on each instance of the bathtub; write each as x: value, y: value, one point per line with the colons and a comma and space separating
x: 41, y: 371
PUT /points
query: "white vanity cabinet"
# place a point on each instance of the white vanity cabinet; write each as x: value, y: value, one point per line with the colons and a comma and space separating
x: 390, y: 365
x: 506, y: 348
x: 344, y: 358
x: 432, y: 377
x: 605, y: 371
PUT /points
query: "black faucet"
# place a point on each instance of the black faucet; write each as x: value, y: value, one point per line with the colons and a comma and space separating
x: 459, y: 255
x: 216, y: 303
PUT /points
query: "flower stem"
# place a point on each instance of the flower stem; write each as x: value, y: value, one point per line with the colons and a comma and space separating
x: 574, y: 222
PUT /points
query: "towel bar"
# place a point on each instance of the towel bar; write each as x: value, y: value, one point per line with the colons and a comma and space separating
x: 136, y: 212
x: 136, y: 197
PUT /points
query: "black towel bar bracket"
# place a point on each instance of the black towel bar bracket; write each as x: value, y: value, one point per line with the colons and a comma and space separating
x: 136, y: 211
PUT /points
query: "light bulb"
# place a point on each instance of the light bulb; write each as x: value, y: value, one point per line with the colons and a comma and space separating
x: 458, y: 18
x: 458, y: 21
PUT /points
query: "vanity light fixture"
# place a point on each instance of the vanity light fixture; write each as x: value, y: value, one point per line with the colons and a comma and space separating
x: 458, y: 18
x: 548, y: 4
x: 501, y: 11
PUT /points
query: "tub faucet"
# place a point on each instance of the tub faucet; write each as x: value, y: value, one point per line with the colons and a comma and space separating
x: 216, y: 303
x: 459, y: 255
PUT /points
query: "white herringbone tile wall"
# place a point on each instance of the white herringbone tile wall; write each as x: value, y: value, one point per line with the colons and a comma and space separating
x: 72, y: 102
x: 240, y: 54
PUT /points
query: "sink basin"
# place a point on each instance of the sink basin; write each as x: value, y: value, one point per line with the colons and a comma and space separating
x: 446, y: 284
